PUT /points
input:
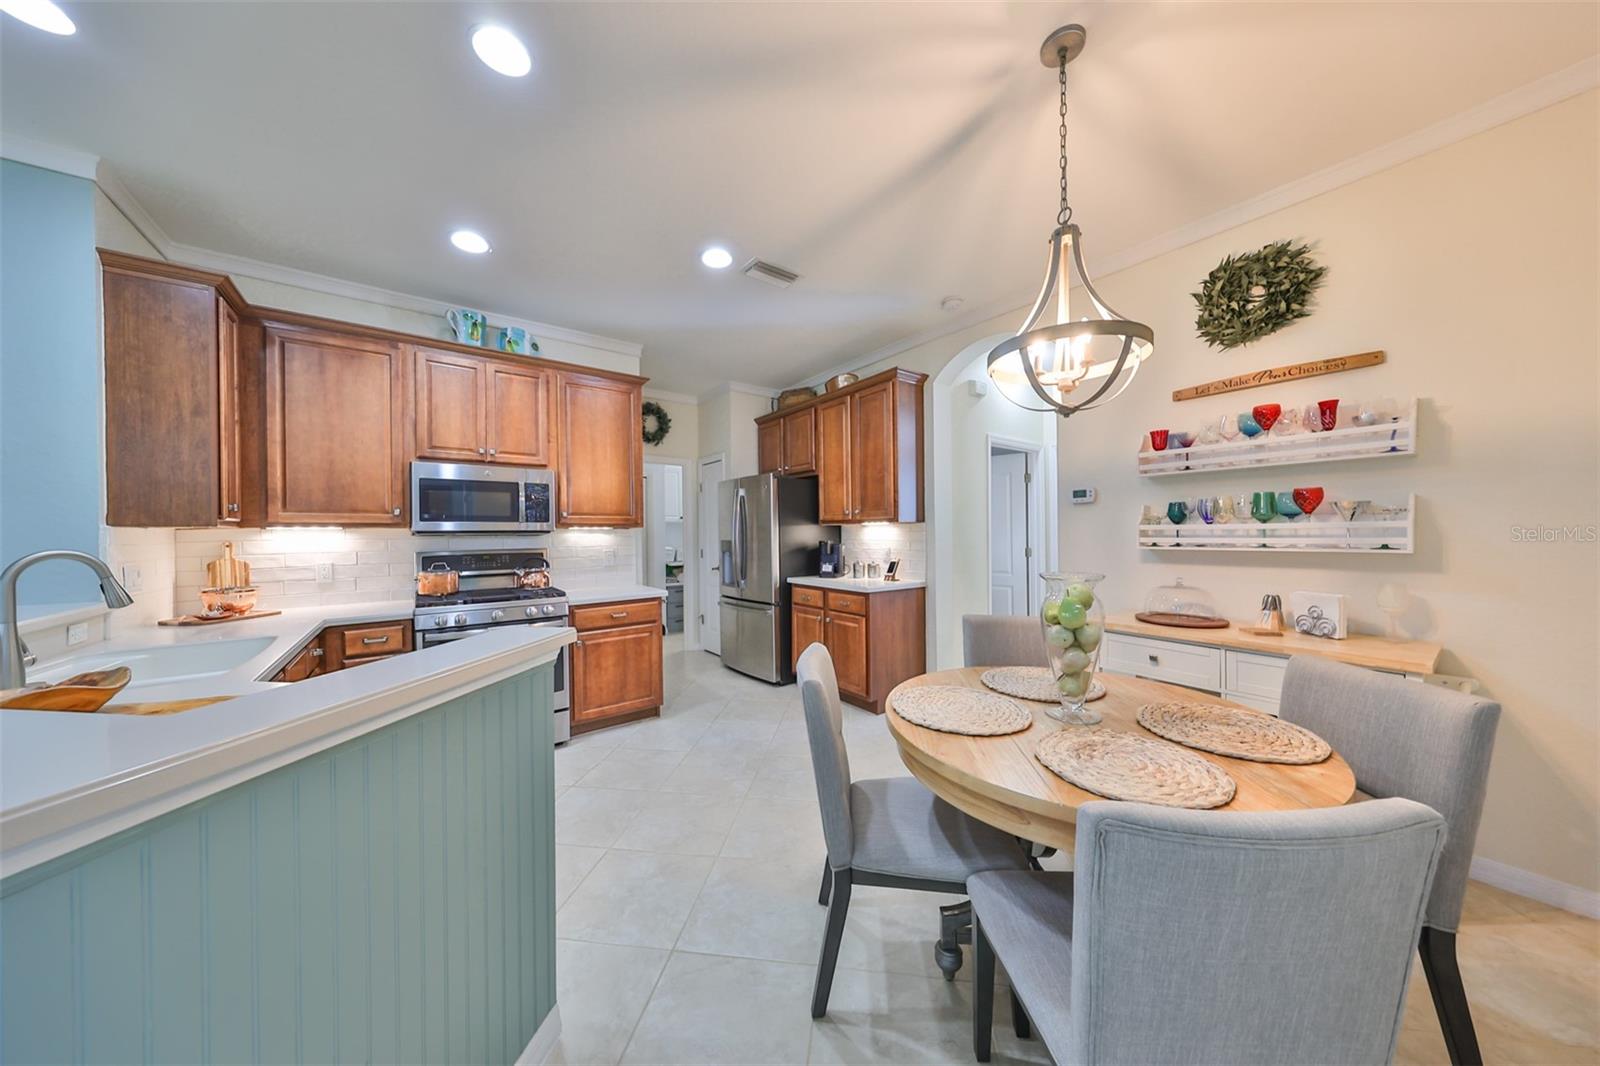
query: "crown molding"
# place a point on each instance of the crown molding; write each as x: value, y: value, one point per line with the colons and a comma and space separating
x: 670, y: 397
x: 133, y: 210
x: 725, y: 387
x: 1525, y: 100
x: 34, y: 153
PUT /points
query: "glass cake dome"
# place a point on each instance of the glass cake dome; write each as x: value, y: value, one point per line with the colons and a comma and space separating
x: 1180, y: 601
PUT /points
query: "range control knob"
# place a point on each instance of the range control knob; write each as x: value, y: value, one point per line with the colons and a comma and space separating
x: 440, y: 621
x: 531, y: 612
x: 548, y: 608
x: 458, y: 620
x: 496, y: 614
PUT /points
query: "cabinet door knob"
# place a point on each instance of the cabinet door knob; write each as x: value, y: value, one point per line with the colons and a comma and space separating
x: 395, y: 512
x: 493, y: 452
x: 480, y: 451
x: 233, y: 508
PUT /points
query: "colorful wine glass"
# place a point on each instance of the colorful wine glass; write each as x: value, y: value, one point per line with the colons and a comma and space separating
x: 1178, y: 511
x: 1328, y: 413
x: 1248, y: 425
x: 1158, y: 439
x: 1286, y: 505
x: 1228, y: 426
x: 1263, y: 506
x: 1209, y: 508
x: 1266, y: 414
x: 1308, y: 499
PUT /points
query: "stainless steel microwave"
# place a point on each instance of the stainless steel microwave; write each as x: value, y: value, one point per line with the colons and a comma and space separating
x: 468, y: 498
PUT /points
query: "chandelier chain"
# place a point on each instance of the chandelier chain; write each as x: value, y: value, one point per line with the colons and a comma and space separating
x: 1065, y: 214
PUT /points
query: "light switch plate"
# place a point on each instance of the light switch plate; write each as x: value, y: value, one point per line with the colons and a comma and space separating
x: 77, y: 633
x: 132, y: 577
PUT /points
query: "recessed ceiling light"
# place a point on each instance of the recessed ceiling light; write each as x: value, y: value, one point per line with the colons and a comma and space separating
x: 717, y: 258
x: 469, y: 241
x: 40, y: 14
x: 500, y: 51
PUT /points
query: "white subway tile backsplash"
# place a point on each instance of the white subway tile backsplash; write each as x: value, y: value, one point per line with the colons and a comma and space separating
x: 881, y: 541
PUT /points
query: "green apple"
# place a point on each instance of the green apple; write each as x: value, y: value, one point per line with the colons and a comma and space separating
x: 1074, y: 660
x: 1081, y: 594
x: 1073, y: 685
x: 1089, y: 635
x: 1050, y: 609
x: 1058, y: 637
x: 1072, y: 615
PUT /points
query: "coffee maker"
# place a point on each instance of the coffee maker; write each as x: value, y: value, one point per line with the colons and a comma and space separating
x: 832, y: 558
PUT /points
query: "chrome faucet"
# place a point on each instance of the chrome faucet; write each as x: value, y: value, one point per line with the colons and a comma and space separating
x: 14, y: 655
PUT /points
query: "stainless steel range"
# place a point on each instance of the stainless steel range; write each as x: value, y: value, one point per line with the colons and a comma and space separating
x: 491, y: 596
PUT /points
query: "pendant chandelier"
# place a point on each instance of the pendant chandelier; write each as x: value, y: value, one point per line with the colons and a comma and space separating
x: 1056, y: 363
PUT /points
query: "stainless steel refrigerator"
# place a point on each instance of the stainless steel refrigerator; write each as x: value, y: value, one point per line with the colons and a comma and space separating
x: 769, y: 533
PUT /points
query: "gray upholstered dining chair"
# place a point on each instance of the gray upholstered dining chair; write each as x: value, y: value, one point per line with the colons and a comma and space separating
x: 890, y: 832
x: 1002, y: 640
x: 1213, y: 936
x: 1423, y: 743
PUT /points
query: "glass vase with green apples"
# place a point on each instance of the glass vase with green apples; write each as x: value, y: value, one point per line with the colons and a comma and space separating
x: 1074, y: 627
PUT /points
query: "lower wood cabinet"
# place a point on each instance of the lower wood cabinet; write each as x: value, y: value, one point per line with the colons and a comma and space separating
x: 616, y: 663
x: 341, y: 647
x: 877, y: 640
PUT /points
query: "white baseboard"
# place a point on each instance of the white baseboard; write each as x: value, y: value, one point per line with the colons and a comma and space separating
x: 544, y: 1040
x: 1536, y: 886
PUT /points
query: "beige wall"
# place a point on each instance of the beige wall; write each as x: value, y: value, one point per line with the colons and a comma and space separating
x: 1474, y: 267
x: 683, y: 439
x: 728, y: 426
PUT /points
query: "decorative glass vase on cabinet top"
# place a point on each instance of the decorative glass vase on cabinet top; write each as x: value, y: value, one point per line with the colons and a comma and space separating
x: 1074, y: 626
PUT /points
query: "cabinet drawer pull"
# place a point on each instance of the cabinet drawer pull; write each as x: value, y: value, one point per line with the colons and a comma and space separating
x: 374, y: 640
x: 619, y: 614
x: 1155, y: 660
x: 316, y: 653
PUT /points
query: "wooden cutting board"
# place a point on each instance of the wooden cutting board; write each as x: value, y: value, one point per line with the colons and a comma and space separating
x: 84, y: 692
x: 205, y: 620
x: 162, y: 706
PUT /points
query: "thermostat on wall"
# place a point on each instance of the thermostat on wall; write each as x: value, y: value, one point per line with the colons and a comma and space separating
x: 1081, y: 495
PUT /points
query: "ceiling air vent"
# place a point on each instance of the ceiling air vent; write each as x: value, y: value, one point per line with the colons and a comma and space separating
x: 772, y: 275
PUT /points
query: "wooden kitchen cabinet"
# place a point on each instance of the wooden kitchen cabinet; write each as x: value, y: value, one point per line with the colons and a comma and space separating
x: 337, y: 439
x: 786, y: 443
x: 863, y: 442
x: 171, y: 393
x: 342, y: 647
x: 876, y: 640
x: 616, y: 663
x: 474, y: 410
x: 600, y: 461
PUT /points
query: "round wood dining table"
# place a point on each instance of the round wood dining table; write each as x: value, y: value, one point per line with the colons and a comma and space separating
x: 997, y: 779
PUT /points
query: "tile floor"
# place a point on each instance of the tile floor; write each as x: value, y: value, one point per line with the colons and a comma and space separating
x: 688, y: 856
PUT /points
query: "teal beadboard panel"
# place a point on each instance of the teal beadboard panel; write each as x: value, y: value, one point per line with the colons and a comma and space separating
x: 388, y: 900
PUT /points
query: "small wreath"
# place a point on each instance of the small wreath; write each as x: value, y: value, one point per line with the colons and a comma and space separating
x: 1248, y: 297
x: 656, y: 422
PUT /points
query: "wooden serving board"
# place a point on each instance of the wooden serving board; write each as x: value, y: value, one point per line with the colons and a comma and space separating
x: 203, y: 620
x: 162, y: 706
x: 1180, y: 621
x: 83, y: 693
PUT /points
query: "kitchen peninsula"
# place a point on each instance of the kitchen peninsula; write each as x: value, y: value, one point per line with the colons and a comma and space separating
x: 358, y: 865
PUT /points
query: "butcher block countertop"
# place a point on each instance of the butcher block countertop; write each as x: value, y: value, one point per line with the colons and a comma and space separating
x: 1375, y: 653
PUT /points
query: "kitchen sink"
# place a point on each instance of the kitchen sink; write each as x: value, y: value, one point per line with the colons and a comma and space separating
x: 161, y: 664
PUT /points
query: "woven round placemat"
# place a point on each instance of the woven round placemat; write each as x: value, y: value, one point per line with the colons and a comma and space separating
x: 1126, y: 766
x: 953, y: 709
x: 1032, y: 683
x: 1234, y: 732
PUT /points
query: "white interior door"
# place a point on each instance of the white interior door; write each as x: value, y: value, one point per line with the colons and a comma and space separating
x: 708, y: 580
x: 1009, y: 518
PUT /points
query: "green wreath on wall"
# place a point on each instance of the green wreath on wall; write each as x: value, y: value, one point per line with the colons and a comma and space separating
x: 1248, y: 297
x: 656, y: 422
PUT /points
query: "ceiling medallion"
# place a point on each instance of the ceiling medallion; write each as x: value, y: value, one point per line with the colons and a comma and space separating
x: 1059, y: 364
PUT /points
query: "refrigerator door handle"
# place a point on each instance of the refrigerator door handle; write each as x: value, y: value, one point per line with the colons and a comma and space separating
x: 741, y: 534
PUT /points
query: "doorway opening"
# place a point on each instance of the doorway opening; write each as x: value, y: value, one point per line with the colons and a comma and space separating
x: 1015, y: 524
x: 667, y: 529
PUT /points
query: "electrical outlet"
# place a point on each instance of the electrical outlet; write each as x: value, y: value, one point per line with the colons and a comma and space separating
x: 77, y: 633
x: 611, y: 557
x: 132, y: 577
x: 324, y: 573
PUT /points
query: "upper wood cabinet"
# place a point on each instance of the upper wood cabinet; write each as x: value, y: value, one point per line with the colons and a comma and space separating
x: 171, y: 384
x: 786, y: 444
x: 336, y: 432
x: 863, y: 442
x: 601, y: 456
x: 472, y: 410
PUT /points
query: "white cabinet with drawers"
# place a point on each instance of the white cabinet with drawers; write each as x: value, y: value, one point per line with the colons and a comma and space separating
x: 1251, y: 678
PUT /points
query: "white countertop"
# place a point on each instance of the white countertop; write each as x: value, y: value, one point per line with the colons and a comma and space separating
x: 613, y: 594
x: 67, y: 780
x: 856, y: 584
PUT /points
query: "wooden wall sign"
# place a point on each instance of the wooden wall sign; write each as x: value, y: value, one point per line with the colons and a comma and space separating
x: 1278, y: 374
